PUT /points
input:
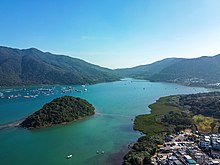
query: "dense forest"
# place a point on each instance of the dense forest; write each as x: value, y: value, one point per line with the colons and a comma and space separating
x: 142, y: 151
x: 34, y: 67
x: 178, y: 120
x: 61, y: 110
x: 207, y: 104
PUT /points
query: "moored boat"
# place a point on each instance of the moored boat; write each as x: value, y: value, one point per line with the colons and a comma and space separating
x: 69, y: 156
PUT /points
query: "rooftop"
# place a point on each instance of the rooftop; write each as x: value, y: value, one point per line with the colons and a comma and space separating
x: 187, y: 157
x: 191, y: 161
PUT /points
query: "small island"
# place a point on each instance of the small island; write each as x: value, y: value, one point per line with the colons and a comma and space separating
x: 61, y: 110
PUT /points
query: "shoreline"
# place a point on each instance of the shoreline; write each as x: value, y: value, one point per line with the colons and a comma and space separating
x: 17, y: 124
x: 40, y: 85
x: 121, y: 79
x: 12, y: 124
x: 170, y: 115
x: 153, y: 131
x: 63, y: 123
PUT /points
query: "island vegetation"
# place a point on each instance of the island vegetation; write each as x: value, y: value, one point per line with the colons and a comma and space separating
x: 171, y: 114
x: 59, y: 111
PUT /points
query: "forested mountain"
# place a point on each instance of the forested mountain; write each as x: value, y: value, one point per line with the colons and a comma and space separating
x: 197, y: 71
x: 34, y: 67
x: 146, y: 71
x: 203, y: 71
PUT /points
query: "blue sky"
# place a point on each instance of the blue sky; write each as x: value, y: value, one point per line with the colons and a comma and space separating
x: 113, y: 33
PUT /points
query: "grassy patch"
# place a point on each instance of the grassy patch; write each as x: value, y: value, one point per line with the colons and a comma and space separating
x: 162, y: 106
x: 150, y: 124
x: 206, y: 124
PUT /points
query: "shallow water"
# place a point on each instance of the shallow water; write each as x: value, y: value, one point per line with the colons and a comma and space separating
x: 110, y: 130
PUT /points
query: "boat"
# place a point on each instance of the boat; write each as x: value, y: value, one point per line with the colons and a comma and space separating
x: 69, y: 156
x: 26, y: 97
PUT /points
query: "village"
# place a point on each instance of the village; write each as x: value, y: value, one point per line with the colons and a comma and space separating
x: 187, y: 148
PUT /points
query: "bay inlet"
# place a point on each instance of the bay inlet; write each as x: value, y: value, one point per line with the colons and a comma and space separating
x: 109, y: 130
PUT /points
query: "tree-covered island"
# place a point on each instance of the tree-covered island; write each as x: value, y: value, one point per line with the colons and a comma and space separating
x: 59, y: 111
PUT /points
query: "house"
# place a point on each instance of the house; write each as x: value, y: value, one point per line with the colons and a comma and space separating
x: 215, y: 162
x: 216, y: 144
x: 188, y: 160
x: 205, y: 143
x: 199, y: 157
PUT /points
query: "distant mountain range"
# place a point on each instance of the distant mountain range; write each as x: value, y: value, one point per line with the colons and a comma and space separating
x: 34, y: 67
x: 146, y: 71
x: 203, y: 71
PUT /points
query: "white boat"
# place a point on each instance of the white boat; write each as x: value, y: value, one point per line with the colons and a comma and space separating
x: 26, y: 97
x: 69, y: 156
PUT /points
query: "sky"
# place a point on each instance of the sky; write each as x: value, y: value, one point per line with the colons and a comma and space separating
x: 113, y: 33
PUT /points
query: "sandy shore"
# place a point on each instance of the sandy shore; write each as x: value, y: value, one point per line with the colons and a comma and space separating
x: 8, y: 125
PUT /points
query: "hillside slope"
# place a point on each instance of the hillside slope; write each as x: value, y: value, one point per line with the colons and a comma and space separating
x: 197, y: 71
x: 202, y: 71
x: 34, y: 67
x: 146, y: 71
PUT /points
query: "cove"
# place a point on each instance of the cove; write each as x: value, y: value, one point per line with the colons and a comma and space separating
x: 109, y: 130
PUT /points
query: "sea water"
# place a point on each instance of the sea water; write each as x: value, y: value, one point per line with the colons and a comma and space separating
x: 109, y: 130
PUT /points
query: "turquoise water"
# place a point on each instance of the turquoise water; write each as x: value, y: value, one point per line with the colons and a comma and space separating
x: 110, y: 130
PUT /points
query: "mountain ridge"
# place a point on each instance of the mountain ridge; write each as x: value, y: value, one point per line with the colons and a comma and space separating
x: 201, y: 71
x: 145, y: 71
x: 34, y: 67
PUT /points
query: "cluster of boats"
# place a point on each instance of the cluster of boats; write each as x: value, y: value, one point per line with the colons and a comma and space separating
x: 35, y: 92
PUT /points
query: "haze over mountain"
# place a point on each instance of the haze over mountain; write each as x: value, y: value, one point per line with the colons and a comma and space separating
x: 201, y: 71
x: 34, y: 67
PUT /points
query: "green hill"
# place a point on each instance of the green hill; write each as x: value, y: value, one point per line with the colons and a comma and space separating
x: 146, y: 71
x: 59, y: 111
x: 199, y: 71
x: 34, y: 67
x: 203, y: 71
